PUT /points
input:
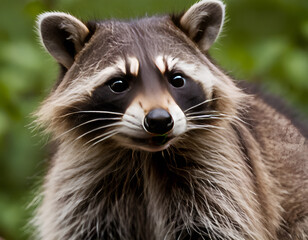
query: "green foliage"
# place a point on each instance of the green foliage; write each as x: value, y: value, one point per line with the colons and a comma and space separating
x: 267, y: 42
x: 263, y: 41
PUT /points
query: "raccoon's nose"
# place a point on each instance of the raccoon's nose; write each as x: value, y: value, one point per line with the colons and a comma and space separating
x: 158, y: 121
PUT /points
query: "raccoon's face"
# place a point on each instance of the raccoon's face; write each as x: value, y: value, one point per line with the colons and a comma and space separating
x: 141, y: 84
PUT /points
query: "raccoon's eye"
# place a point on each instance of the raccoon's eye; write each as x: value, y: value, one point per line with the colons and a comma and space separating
x: 177, y: 80
x: 118, y: 85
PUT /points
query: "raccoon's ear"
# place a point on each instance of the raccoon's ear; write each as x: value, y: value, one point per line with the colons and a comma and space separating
x: 203, y: 22
x: 62, y: 35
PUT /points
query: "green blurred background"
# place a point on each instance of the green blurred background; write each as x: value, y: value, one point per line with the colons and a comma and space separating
x: 263, y: 41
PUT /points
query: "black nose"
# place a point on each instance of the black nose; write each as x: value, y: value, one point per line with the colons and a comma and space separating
x: 158, y: 121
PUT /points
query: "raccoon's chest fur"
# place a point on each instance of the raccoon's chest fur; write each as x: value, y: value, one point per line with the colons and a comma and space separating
x: 144, y: 196
x: 151, y: 203
x: 156, y: 142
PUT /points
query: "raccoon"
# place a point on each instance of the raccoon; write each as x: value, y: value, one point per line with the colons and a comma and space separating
x: 156, y: 142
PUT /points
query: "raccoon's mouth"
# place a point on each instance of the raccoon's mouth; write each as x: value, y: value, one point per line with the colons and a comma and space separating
x: 153, y: 143
x: 159, y: 140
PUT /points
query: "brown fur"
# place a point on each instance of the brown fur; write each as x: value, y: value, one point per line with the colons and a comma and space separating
x: 240, y: 176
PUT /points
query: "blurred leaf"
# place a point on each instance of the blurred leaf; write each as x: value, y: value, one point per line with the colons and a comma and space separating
x: 4, y: 124
x: 20, y: 54
x: 267, y: 53
x: 34, y: 8
x: 304, y: 29
x: 295, y: 65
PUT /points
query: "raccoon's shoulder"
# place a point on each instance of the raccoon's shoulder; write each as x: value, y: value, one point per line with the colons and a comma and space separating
x: 272, y: 118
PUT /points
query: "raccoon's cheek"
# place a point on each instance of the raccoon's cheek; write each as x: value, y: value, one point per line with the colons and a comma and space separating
x: 179, y: 118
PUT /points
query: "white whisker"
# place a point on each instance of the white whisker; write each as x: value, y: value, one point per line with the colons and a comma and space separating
x: 202, y: 112
x: 205, y: 117
x: 99, y: 128
x: 137, y: 123
x: 206, y: 126
x: 101, y: 135
x: 201, y: 103
x: 102, y: 112
x: 105, y: 136
x: 84, y: 123
x: 132, y: 125
x: 218, y: 116
x: 132, y: 119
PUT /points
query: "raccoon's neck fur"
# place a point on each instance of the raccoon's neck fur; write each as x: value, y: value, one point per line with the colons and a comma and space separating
x: 182, y: 191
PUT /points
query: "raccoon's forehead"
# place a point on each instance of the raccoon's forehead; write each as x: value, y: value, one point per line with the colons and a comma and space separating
x: 147, y: 45
x: 144, y: 39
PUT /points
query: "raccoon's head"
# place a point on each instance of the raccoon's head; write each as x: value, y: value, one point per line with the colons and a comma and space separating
x: 140, y: 84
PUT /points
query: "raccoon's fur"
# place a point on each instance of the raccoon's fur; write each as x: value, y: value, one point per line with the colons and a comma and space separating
x: 155, y: 142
